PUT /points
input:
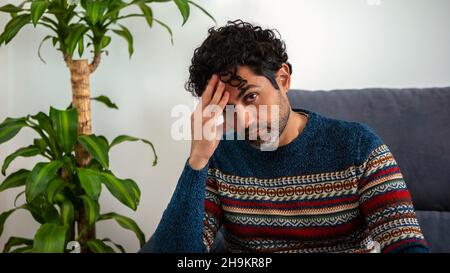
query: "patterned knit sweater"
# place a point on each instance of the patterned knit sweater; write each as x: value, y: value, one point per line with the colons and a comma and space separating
x: 334, y: 188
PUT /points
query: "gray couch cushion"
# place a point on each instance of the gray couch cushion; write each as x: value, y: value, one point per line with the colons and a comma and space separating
x: 435, y: 226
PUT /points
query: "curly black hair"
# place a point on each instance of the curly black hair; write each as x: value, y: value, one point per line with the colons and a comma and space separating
x: 236, y: 44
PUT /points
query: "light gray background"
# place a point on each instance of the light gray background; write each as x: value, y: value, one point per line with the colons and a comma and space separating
x: 331, y: 44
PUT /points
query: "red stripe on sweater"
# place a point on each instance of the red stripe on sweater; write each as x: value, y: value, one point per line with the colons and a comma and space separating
x: 211, y: 183
x: 211, y: 207
x: 378, y: 174
x: 291, y: 205
x: 393, y: 197
x: 306, y: 232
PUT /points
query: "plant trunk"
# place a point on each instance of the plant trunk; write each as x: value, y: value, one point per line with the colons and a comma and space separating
x: 79, y: 74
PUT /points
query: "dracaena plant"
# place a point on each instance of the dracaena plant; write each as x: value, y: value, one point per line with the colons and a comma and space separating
x: 57, y: 191
x: 78, y: 160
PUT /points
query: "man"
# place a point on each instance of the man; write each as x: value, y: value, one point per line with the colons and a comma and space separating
x: 328, y: 186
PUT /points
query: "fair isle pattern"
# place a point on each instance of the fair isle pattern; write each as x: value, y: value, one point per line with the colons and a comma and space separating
x: 286, y: 246
x: 342, y: 211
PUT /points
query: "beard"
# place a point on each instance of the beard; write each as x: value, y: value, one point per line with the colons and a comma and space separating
x: 266, y: 134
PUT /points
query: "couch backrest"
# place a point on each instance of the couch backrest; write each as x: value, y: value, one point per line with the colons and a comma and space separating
x: 415, y: 124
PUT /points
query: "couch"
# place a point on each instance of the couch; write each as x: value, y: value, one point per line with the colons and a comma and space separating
x: 415, y: 124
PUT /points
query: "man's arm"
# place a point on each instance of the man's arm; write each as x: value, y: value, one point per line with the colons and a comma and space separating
x: 192, y: 218
x: 181, y: 226
x: 386, y: 203
x: 185, y: 225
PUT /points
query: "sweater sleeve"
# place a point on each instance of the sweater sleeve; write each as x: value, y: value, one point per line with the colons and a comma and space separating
x: 385, y: 201
x: 181, y: 226
x: 193, y: 216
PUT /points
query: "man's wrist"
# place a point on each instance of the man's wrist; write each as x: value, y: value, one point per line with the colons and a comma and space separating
x: 197, y: 163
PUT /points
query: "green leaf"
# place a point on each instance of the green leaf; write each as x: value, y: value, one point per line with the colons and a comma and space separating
x: 69, y: 163
x: 10, y: 127
x: 3, y: 218
x: 125, y: 190
x: 17, y: 197
x: 95, y: 9
x: 126, y: 34
x: 10, y: 8
x: 202, y: 9
x: 92, y: 209
x: 55, y: 186
x: 105, y: 41
x: 16, y: 179
x: 98, y: 246
x: 40, y: 143
x: 123, y: 138
x: 83, y: 4
x: 106, y: 101
x: 37, y: 10
x: 76, y: 32
x: 183, y: 6
x: 45, y: 124
x: 97, y: 147
x: 40, y: 46
x: 55, y: 41
x: 118, y: 246
x: 50, y: 238
x: 16, y: 241
x: 81, y: 46
x: 91, y: 182
x: 147, y: 11
x: 166, y: 27
x: 114, y: 9
x: 126, y: 223
x: 14, y: 26
x: 35, y: 212
x: 65, y: 126
x: 25, y: 249
x: 23, y: 152
x: 38, y: 180
x: 42, y: 211
x: 67, y: 213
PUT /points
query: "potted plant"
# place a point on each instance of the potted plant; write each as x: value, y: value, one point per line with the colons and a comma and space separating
x: 62, y: 193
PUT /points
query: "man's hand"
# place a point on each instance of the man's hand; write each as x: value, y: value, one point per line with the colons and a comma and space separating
x: 205, y: 135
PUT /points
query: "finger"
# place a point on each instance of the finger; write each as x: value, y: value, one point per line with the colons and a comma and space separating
x: 224, y: 127
x: 227, y: 125
x: 228, y: 117
x: 221, y: 104
x: 218, y: 93
x: 224, y: 100
x: 207, y: 94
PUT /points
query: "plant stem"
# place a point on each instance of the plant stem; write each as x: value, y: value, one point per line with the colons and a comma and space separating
x: 80, y: 72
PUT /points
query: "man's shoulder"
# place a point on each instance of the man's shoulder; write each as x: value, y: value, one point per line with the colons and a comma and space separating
x: 343, y: 130
x: 351, y: 135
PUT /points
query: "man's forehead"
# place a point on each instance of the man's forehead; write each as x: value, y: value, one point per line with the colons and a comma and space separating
x: 244, y: 72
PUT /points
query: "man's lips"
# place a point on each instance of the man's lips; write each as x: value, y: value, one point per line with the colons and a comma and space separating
x: 257, y: 132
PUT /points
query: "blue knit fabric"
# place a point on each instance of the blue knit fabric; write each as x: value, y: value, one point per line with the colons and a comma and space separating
x: 325, y: 145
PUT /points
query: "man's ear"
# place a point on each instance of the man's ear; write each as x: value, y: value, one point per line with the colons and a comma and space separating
x: 283, y: 77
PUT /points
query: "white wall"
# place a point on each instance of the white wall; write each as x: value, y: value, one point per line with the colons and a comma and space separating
x: 331, y: 44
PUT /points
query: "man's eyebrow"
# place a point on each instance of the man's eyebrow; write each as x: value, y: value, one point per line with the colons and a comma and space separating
x: 244, y: 89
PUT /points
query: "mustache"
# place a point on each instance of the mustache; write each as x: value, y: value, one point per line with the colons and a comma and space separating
x: 257, y: 128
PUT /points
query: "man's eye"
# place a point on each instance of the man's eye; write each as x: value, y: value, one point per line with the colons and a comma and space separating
x: 251, y: 97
